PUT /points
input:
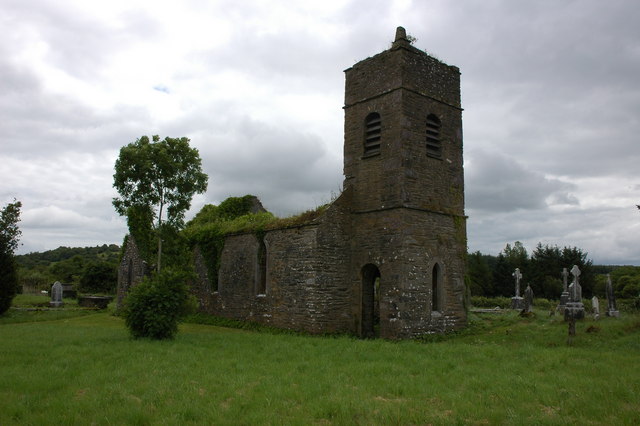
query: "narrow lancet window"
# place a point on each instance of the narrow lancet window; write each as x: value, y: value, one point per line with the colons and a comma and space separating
x: 261, y: 275
x: 435, y: 288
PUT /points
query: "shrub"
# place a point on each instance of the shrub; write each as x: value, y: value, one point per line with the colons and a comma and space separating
x: 154, y: 307
x: 628, y: 305
x: 630, y: 291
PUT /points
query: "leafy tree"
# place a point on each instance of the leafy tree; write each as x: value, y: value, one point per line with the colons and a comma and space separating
x: 99, y: 277
x: 9, y: 237
x: 158, y: 179
x: 626, y: 281
x: 517, y: 256
x: 68, y: 271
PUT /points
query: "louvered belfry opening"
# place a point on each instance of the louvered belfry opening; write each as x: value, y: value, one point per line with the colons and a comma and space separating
x: 373, y: 127
x: 434, y: 144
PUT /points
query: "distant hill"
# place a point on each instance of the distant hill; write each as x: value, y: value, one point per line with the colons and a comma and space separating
x: 106, y: 253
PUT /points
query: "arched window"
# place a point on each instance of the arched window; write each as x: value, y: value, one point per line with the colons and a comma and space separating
x: 434, y: 145
x: 436, y: 288
x: 373, y: 127
x: 261, y: 273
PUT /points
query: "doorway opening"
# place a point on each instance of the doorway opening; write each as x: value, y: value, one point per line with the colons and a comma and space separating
x: 370, y: 301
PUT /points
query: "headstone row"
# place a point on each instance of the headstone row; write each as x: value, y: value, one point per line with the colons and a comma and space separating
x: 571, y: 299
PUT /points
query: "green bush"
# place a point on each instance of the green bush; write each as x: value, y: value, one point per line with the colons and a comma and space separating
x: 627, y: 305
x: 154, y: 307
x: 630, y: 291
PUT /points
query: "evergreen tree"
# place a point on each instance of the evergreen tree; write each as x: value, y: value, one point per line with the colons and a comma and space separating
x: 480, y: 276
x: 503, y: 277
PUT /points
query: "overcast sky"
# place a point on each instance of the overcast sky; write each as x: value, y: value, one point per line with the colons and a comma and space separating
x: 551, y: 92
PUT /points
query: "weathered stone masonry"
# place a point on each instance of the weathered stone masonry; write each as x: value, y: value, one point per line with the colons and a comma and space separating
x: 131, y: 271
x: 387, y: 257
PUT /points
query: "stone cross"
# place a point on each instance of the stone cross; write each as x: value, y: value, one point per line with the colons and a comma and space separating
x: 518, y: 276
x: 575, y: 271
x: 565, y: 274
x: 576, y: 290
x: 56, y: 294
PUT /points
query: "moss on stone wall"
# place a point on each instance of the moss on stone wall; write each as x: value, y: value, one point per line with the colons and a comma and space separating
x: 236, y: 215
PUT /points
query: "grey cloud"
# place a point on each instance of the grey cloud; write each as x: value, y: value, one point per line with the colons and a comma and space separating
x: 74, y: 41
x: 589, y: 230
x: 559, y: 89
x: 549, y: 90
x: 281, y: 165
x: 496, y: 182
x: 38, y: 123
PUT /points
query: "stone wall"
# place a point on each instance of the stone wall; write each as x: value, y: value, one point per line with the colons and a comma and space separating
x: 305, y: 268
x: 131, y: 271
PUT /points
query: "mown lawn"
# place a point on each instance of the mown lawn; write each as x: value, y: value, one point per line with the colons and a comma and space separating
x: 502, y: 370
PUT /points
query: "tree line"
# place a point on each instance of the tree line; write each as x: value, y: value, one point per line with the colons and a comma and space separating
x: 492, y: 276
x: 90, y: 269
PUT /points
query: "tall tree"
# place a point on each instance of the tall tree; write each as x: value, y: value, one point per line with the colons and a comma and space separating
x: 546, y: 266
x: 508, y: 260
x: 9, y: 237
x: 480, y: 275
x: 516, y: 255
x: 502, y: 277
x: 160, y: 178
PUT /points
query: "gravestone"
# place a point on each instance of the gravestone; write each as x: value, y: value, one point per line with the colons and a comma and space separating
x: 564, y: 297
x: 612, y: 309
x: 574, y: 308
x: 595, y: 304
x: 528, y: 299
x: 56, y: 295
x: 517, y: 302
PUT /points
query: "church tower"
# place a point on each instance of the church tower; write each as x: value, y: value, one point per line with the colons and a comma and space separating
x: 404, y: 177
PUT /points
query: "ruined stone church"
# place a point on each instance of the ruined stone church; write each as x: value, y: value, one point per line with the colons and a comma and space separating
x: 387, y: 257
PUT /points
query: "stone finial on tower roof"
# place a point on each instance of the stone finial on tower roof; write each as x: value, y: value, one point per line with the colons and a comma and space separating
x: 401, y: 38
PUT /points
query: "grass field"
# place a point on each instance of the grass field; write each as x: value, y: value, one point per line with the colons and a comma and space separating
x: 502, y: 370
